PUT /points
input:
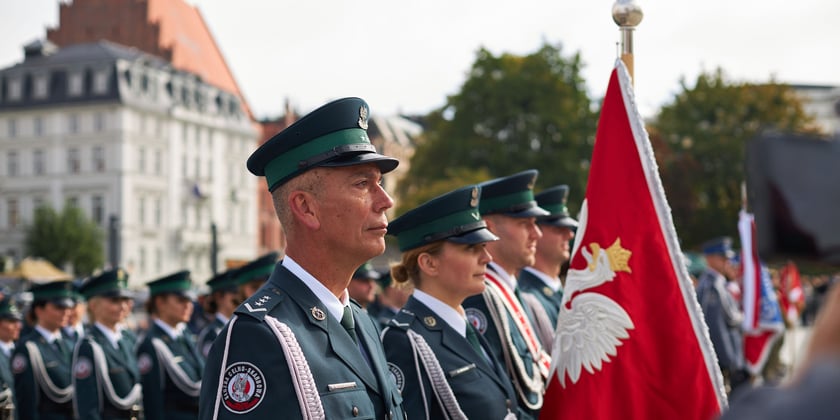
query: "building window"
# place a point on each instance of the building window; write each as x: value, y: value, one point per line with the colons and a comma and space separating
x: 197, y: 168
x: 158, y: 213
x: 13, y: 215
x: 72, y: 201
x: 158, y: 260
x: 98, y: 159
x: 97, y: 209
x: 98, y: 122
x: 141, y: 160
x: 38, y: 126
x: 11, y: 128
x: 141, y: 211
x: 38, y: 165
x: 40, y: 88
x: 74, y: 165
x: 184, y: 161
x: 37, y: 203
x: 100, y: 82
x: 142, y: 260
x: 158, y: 163
x: 76, y: 83
x: 73, y: 123
x: 12, y: 163
x: 15, y: 89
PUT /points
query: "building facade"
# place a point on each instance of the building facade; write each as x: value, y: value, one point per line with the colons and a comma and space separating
x: 120, y: 133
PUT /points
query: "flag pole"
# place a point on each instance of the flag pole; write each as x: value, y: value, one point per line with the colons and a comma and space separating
x: 627, y: 15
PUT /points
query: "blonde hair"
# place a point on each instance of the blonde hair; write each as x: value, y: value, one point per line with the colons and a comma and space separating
x: 408, y: 270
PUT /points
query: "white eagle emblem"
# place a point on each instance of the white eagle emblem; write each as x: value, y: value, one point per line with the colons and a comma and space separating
x: 590, y: 326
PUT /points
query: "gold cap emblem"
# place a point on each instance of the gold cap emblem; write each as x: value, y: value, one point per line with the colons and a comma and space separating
x: 318, y: 314
x: 474, y: 197
x: 363, y: 118
x: 430, y: 321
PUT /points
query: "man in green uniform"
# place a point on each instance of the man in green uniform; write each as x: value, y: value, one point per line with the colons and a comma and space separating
x: 221, y: 303
x: 299, y: 348
x: 542, y: 290
x: 10, y: 324
x: 41, y: 361
x: 251, y: 276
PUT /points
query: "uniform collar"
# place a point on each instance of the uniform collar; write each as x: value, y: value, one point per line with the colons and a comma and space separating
x: 553, y: 284
x: 49, y: 336
x: 444, y: 311
x: 113, y: 337
x: 223, y: 319
x: 335, y: 306
x: 7, y: 348
x: 173, y: 333
x: 503, y: 275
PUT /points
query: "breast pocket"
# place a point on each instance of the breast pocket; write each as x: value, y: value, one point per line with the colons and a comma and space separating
x: 348, y: 404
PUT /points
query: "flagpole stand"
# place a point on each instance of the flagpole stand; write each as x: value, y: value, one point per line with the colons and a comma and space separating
x: 627, y: 15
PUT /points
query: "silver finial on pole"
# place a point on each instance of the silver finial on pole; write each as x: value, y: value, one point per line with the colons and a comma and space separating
x: 627, y: 15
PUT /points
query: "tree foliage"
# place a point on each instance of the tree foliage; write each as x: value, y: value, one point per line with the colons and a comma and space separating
x: 700, y: 143
x: 512, y: 113
x: 66, y: 237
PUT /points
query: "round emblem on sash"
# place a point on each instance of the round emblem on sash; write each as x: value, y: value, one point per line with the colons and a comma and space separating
x: 243, y: 387
x: 430, y: 321
x: 477, y: 319
x: 19, y: 363
x: 318, y: 313
x: 144, y: 363
x: 547, y: 291
x: 396, y: 375
x: 82, y: 368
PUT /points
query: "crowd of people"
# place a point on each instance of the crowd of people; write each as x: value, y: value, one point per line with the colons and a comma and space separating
x: 461, y: 327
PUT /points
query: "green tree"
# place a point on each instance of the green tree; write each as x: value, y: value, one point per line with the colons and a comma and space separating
x: 66, y: 237
x: 700, y: 142
x: 512, y: 113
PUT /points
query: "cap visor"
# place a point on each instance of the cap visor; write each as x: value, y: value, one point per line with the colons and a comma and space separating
x: 367, y: 275
x: 64, y: 302
x: 386, y: 164
x: 11, y: 316
x: 563, y: 221
x: 474, y: 237
x: 126, y: 294
x: 535, y: 211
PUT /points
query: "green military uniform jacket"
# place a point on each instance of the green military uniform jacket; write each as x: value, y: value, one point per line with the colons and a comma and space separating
x: 170, y: 372
x: 7, y: 381
x: 248, y: 374
x: 481, y: 386
x: 528, y: 282
x: 208, y: 334
x: 106, y: 379
x: 478, y: 309
x: 36, y: 362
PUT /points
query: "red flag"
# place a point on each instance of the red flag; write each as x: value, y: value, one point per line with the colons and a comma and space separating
x: 631, y: 340
x: 793, y: 296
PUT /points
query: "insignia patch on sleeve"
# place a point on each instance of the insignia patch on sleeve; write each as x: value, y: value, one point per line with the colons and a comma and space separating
x: 243, y: 387
x: 19, y: 363
x: 477, y: 319
x: 144, y: 363
x: 396, y: 375
x: 82, y: 368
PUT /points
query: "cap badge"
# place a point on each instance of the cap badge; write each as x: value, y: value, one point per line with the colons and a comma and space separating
x: 318, y: 314
x: 474, y: 197
x: 430, y: 321
x: 531, y: 183
x: 363, y: 117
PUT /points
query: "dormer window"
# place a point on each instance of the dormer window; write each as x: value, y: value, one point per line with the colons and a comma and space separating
x: 76, y: 83
x: 15, y: 88
x: 41, y: 86
x: 100, y: 81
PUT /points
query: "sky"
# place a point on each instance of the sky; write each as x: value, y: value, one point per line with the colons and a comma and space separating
x: 407, y: 56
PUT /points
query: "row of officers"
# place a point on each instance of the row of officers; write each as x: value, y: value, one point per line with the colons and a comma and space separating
x: 473, y: 340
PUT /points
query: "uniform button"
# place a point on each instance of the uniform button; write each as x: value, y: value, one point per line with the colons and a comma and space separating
x: 507, y: 402
x: 355, y: 411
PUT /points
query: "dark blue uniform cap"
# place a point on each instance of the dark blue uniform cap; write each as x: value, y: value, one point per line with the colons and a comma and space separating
x: 511, y: 196
x: 223, y: 282
x: 176, y: 283
x: 366, y: 272
x: 719, y: 246
x: 384, y: 279
x: 553, y: 200
x: 109, y: 283
x: 60, y: 293
x: 333, y: 135
x: 8, y: 310
x: 258, y: 269
x: 452, y: 216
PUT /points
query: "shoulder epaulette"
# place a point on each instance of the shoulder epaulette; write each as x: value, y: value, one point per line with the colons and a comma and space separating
x: 261, y: 303
x: 402, y: 319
